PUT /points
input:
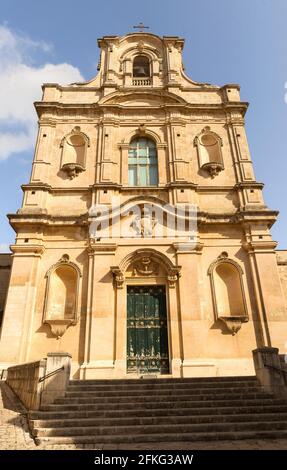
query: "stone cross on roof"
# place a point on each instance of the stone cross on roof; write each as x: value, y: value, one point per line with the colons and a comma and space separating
x: 141, y: 27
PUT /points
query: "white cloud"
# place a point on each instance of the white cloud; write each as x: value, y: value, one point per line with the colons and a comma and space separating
x: 4, y: 248
x: 20, y: 86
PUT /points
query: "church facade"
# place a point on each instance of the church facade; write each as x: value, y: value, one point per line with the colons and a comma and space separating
x: 143, y: 242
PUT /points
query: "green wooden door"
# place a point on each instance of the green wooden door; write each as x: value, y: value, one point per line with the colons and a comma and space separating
x: 147, y: 344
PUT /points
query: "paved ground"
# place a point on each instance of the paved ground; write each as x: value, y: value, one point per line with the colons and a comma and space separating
x: 14, y: 434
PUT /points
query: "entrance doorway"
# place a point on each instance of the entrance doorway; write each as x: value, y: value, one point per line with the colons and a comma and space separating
x: 147, y: 339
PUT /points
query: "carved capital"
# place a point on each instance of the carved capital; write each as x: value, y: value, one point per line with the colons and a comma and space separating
x: 119, y: 277
x: 173, y: 276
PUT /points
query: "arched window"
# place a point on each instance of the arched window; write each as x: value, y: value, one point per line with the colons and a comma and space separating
x: 143, y: 170
x: 141, y: 67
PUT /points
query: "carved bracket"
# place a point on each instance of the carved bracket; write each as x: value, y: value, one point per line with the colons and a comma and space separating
x: 58, y: 327
x: 212, y: 168
x: 234, y: 323
x: 72, y: 169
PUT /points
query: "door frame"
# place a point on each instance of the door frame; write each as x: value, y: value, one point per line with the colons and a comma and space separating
x: 151, y: 281
x: 150, y: 284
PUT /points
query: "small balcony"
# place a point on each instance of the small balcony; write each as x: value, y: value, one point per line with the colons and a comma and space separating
x: 141, y: 81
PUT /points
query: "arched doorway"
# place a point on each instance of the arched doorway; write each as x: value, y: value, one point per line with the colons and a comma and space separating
x: 146, y: 337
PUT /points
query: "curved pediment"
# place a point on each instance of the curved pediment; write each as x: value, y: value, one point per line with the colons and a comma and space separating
x: 141, y: 99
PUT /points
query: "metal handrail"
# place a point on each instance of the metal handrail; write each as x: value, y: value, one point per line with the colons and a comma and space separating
x: 41, y: 379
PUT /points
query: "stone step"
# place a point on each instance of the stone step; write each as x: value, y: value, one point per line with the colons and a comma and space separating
x: 145, y: 439
x: 161, y: 391
x: 160, y: 428
x: 159, y: 397
x: 158, y: 420
x: 113, y: 382
x: 142, y: 412
x: 147, y: 405
x: 158, y: 385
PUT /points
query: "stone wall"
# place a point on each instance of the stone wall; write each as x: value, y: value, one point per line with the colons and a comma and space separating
x: 5, y: 270
x: 24, y: 381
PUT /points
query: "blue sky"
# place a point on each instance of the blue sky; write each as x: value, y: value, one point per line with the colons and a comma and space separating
x: 227, y: 41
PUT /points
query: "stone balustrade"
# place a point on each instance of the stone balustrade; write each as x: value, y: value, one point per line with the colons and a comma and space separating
x: 269, y: 370
x: 40, y: 382
x: 24, y: 379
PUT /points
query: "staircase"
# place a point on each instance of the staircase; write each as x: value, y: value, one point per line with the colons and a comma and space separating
x: 160, y: 410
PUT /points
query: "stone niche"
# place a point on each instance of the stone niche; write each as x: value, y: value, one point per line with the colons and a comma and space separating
x: 61, y: 306
x: 228, y: 293
x: 209, y: 152
x: 74, y: 149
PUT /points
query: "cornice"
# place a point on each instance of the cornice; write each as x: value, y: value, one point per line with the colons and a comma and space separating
x: 96, y: 107
x: 101, y: 247
x: 261, y: 246
x: 181, y: 184
x: 46, y: 219
x: 27, y: 250
x: 249, y: 184
x: 203, y: 218
x: 38, y: 186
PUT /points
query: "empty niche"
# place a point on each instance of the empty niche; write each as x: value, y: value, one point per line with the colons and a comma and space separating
x: 74, y: 151
x: 228, y: 293
x: 209, y: 151
x: 61, y: 296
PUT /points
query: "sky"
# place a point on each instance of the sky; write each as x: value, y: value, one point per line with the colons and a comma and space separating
x: 226, y: 41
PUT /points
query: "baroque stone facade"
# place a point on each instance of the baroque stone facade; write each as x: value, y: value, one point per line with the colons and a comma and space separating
x: 99, y: 269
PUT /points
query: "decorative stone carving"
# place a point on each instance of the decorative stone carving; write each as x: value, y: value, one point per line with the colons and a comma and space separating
x: 144, y: 224
x: 233, y: 324
x: 146, y: 267
x: 119, y: 277
x: 72, y: 169
x: 212, y: 168
x: 172, y: 277
x: 144, y: 263
x: 58, y: 327
x: 141, y: 130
